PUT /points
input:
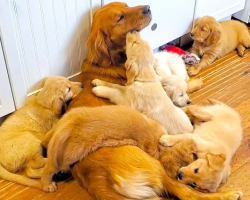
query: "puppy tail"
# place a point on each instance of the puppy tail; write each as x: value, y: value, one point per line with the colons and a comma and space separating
x: 56, y: 146
x: 8, y: 176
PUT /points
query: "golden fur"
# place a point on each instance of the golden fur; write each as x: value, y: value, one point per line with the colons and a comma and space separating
x: 84, y: 130
x: 214, y: 40
x: 144, y: 91
x: 126, y: 173
x: 218, y: 135
x: 106, y: 48
x: 22, y: 132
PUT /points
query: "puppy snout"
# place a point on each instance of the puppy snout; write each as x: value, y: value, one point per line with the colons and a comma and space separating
x: 192, y: 34
x: 146, y: 10
x: 82, y: 85
x: 180, y: 175
x: 188, y: 102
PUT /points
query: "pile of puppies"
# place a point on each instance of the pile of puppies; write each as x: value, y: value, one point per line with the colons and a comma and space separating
x: 137, y: 148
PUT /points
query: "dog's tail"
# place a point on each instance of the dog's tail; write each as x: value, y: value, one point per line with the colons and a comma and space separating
x: 6, y: 175
x: 56, y: 146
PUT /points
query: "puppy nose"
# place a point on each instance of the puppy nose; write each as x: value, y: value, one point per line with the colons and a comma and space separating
x: 188, y: 102
x: 82, y: 85
x: 146, y: 10
x: 192, y: 34
x: 180, y: 175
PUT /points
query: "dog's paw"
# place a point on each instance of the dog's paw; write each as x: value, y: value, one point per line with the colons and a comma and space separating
x: 50, y: 188
x: 97, y: 82
x: 167, y: 141
x: 97, y: 91
x: 193, y: 70
x: 233, y: 195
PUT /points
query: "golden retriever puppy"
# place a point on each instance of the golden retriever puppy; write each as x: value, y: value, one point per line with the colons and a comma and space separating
x: 218, y: 135
x: 180, y: 155
x: 126, y: 173
x: 214, y: 40
x: 144, y: 91
x: 21, y: 133
x: 82, y: 131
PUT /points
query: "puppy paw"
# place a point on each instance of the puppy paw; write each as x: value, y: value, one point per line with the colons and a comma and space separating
x: 97, y: 82
x: 233, y: 195
x: 97, y: 91
x: 167, y: 141
x: 50, y: 188
x: 193, y: 70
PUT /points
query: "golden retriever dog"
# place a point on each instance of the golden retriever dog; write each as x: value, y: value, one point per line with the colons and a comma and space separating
x: 126, y: 173
x: 21, y: 133
x: 82, y: 131
x: 218, y: 135
x: 106, y: 48
x: 144, y: 91
x: 214, y: 40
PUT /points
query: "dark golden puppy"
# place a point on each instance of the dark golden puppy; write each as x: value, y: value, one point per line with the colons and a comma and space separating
x: 213, y: 40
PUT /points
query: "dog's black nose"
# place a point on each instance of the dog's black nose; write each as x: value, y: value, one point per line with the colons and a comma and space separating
x: 82, y: 85
x: 188, y: 102
x: 146, y: 10
x: 180, y: 175
x: 192, y: 34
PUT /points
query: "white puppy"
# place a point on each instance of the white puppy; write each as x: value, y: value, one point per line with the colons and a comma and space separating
x: 144, y: 91
x: 218, y: 135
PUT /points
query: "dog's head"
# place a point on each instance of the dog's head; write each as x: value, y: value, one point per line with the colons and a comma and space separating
x: 57, y: 92
x: 107, y: 40
x: 206, y: 30
x: 140, y: 59
x: 204, y: 174
x: 180, y: 155
x: 176, y: 89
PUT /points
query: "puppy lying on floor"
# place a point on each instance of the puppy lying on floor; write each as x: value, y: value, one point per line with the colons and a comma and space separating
x: 144, y: 91
x: 82, y: 131
x: 214, y: 40
x: 218, y: 135
x: 22, y: 132
x: 127, y: 173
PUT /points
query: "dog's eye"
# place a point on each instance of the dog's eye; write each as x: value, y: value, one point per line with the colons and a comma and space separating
x: 69, y: 88
x: 181, y: 95
x: 195, y: 156
x: 121, y: 18
x: 203, y: 29
x: 196, y: 171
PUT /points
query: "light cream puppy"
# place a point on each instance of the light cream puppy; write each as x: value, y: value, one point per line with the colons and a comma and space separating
x: 218, y: 135
x: 22, y: 132
x: 144, y: 91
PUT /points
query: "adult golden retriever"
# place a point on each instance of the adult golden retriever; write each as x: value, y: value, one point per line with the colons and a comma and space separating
x: 214, y: 40
x: 21, y: 133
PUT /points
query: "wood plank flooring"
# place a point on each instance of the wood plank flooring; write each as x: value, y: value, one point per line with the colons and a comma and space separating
x: 227, y: 80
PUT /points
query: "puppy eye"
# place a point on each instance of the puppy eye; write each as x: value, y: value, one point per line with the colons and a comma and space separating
x: 121, y: 18
x: 69, y: 88
x: 203, y: 29
x: 196, y: 171
x: 181, y: 95
x: 195, y: 156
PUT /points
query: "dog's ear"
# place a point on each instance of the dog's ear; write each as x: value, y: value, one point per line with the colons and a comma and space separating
x: 131, y: 72
x: 215, y: 34
x: 195, y: 113
x: 216, y: 161
x: 97, y: 48
x: 214, y: 101
x: 59, y: 106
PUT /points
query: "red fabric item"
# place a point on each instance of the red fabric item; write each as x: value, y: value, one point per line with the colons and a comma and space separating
x: 175, y: 49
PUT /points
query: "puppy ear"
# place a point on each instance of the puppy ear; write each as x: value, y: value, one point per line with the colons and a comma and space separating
x: 214, y: 101
x: 215, y: 34
x: 199, y: 114
x: 97, y: 48
x: 59, y: 106
x: 216, y: 161
x: 131, y: 72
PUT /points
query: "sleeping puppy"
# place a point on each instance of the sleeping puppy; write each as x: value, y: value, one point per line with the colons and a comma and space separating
x: 22, y: 132
x: 126, y: 173
x: 82, y: 131
x: 218, y: 135
x: 144, y: 91
x: 214, y: 40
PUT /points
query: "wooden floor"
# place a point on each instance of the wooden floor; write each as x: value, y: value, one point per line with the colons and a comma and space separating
x: 228, y: 80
